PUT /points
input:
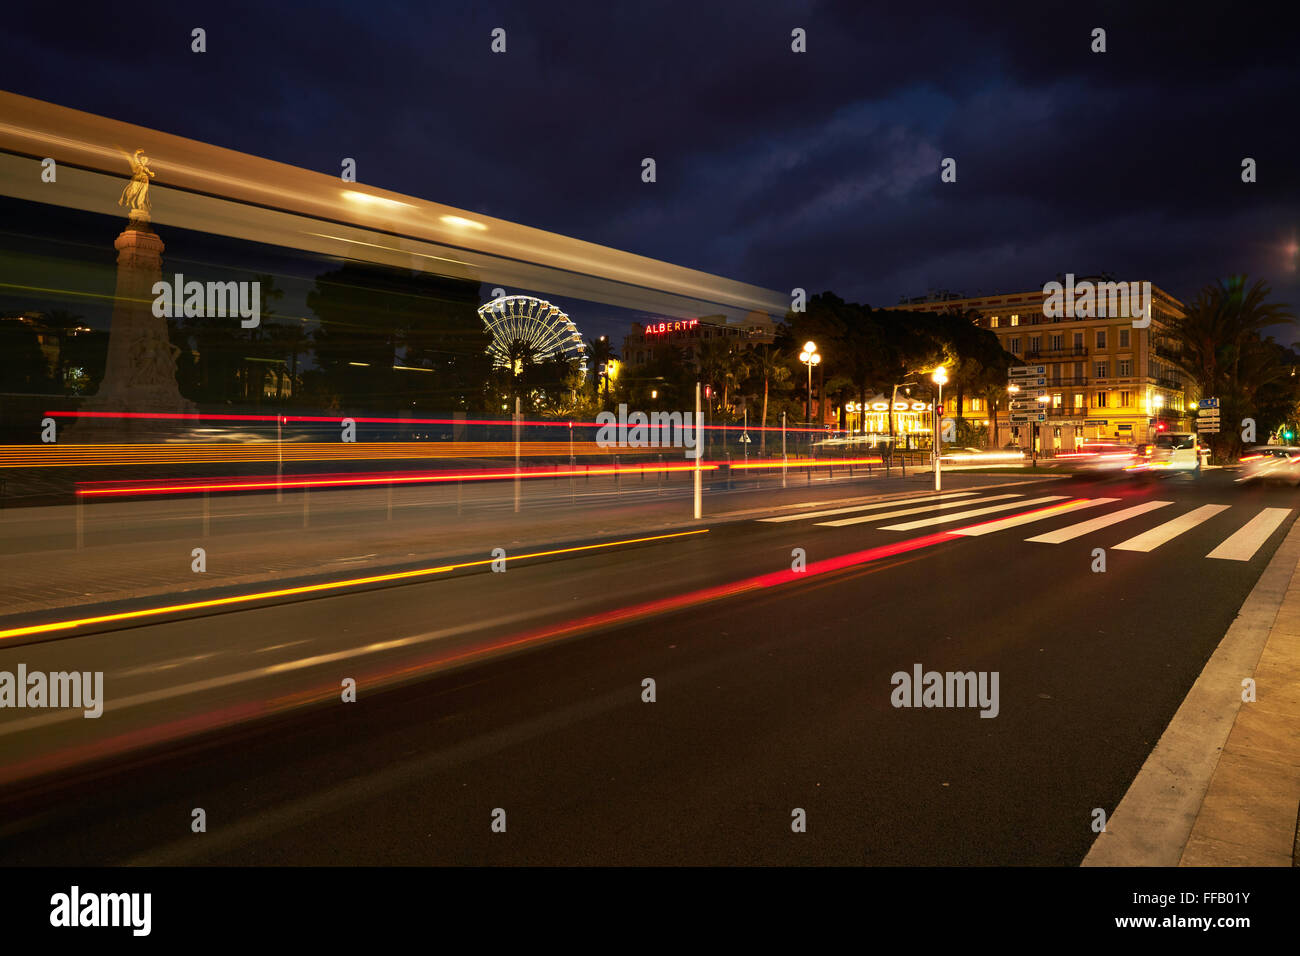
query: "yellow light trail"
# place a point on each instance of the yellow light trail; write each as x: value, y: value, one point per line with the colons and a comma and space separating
x: 317, y: 588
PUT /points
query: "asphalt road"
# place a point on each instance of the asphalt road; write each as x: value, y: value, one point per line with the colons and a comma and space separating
x: 523, y: 691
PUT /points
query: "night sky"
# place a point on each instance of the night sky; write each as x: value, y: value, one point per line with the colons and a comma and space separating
x: 818, y: 170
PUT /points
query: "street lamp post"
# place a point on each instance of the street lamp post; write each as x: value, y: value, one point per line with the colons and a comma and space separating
x: 939, y: 377
x: 810, y: 357
x: 1012, y: 391
x: 1038, y: 431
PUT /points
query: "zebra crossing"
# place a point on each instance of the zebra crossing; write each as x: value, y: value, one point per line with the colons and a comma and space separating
x: 970, y: 510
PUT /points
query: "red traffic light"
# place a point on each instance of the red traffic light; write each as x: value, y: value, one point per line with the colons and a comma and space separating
x: 1161, y: 426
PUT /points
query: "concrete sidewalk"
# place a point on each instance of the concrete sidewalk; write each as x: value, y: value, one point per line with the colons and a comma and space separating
x: 1250, y: 813
x: 1222, y: 785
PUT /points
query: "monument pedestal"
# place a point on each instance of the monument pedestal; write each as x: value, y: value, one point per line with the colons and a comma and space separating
x: 140, y: 372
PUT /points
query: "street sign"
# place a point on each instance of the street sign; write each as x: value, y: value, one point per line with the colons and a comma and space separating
x: 1207, y: 412
x: 1026, y: 418
x: 1026, y: 371
x: 1208, y: 403
x: 1208, y: 430
x: 744, y: 436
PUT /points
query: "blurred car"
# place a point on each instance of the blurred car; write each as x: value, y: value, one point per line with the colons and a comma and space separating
x: 1265, y: 463
x: 1171, y: 452
x: 1100, y: 456
x: 980, y: 456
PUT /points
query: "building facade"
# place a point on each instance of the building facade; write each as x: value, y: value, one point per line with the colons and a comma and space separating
x: 1107, y: 380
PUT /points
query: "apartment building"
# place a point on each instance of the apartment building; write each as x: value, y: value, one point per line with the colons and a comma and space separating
x: 1106, y: 378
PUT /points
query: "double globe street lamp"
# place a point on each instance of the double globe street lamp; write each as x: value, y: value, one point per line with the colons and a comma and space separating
x: 940, y: 377
x: 810, y: 357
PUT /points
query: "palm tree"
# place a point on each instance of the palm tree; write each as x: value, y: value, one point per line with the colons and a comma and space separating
x: 773, y: 366
x: 1221, y: 348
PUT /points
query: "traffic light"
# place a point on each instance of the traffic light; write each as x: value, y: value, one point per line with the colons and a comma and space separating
x: 1288, y: 434
x: 1161, y: 426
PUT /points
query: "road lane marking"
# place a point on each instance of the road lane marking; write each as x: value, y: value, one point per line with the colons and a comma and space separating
x: 943, y: 519
x: 1095, y: 524
x: 842, y: 522
x: 1242, y: 545
x: 878, y: 504
x: 1150, y: 540
x: 1028, y: 517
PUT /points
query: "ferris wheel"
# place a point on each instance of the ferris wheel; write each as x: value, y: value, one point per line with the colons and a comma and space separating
x: 542, y: 328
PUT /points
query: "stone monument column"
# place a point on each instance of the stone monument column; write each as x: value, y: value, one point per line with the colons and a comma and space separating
x: 140, y: 372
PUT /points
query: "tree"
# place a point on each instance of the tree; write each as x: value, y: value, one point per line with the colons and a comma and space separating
x: 64, y: 325
x: 771, y: 365
x: 370, y: 317
x: 1222, y: 350
x: 23, y: 367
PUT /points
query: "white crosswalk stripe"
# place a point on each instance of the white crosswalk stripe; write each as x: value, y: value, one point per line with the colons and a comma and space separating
x: 1150, y: 540
x: 877, y: 505
x: 1242, y: 545
x: 1041, y: 514
x: 960, y: 515
x: 1096, y: 524
x: 842, y: 522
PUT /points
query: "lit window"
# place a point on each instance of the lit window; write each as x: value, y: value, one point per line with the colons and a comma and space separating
x: 1125, y: 399
x: 993, y: 322
x: 1015, y: 320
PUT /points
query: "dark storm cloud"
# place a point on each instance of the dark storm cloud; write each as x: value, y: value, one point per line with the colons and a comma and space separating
x: 818, y: 170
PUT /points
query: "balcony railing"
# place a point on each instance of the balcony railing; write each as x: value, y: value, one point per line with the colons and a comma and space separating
x: 1069, y: 351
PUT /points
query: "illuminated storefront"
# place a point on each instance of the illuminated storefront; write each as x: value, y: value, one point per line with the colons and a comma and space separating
x: 869, y: 421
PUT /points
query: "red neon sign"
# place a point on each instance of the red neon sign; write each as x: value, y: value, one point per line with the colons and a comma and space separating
x: 664, y: 328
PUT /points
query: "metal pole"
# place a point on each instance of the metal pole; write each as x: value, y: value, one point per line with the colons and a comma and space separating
x: 517, y: 454
x: 784, y: 459
x: 745, y: 431
x: 938, y: 426
x: 807, y: 408
x: 279, y: 457
x: 699, y: 474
